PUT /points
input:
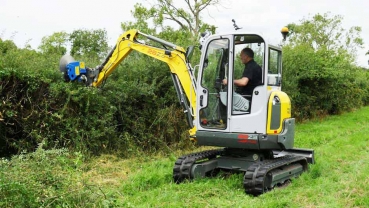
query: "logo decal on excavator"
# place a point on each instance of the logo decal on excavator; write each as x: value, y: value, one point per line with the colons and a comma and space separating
x: 244, y: 138
x: 155, y: 53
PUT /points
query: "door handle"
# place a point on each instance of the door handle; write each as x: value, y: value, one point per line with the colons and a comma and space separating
x: 201, y: 99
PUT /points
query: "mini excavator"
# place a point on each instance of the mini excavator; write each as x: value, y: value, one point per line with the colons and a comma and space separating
x: 254, y: 133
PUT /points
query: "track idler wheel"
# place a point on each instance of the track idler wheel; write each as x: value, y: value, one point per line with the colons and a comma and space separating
x: 182, y: 169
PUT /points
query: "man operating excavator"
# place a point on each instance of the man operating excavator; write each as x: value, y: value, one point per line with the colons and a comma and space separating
x: 252, y: 74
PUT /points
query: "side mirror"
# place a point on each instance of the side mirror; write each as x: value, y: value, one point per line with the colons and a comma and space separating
x: 189, y: 53
x: 203, y: 37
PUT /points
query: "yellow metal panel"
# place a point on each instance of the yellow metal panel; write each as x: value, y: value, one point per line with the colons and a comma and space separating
x: 285, y: 111
x: 82, y: 65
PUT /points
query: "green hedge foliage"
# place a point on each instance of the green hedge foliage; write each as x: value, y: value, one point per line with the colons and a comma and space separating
x: 321, y: 82
x: 136, y: 111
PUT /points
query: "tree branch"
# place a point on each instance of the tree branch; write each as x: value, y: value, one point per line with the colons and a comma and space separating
x: 206, y: 4
x: 179, y: 14
x: 177, y: 21
x: 190, y: 6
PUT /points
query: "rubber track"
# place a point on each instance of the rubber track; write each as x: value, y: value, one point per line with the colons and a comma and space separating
x: 253, y: 181
x: 183, y: 165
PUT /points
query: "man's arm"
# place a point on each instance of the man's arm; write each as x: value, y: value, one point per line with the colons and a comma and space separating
x: 241, y: 82
x: 246, y: 76
x: 238, y: 82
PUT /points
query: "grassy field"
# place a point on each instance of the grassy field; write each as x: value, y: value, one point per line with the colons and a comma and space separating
x: 338, y: 179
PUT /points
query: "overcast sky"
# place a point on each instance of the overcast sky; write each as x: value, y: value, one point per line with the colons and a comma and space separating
x: 27, y: 21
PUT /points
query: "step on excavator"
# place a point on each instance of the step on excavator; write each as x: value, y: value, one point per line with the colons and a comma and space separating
x: 254, y: 133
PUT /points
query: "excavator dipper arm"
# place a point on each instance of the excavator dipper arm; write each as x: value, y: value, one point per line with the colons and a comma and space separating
x: 174, y: 56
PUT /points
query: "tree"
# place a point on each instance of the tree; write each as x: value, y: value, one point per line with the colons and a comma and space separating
x: 319, y: 73
x: 187, y: 16
x: 91, y: 43
x: 322, y: 32
x: 7, y: 45
x: 55, y: 43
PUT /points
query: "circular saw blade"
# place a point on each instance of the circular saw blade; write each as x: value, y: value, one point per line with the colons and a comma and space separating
x: 64, y: 61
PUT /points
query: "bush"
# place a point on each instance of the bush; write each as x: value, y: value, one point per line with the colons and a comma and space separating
x: 319, y: 82
x: 147, y: 104
x: 47, y: 178
x: 136, y: 110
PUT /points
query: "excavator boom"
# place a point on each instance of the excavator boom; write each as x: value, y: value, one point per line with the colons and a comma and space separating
x: 174, y: 56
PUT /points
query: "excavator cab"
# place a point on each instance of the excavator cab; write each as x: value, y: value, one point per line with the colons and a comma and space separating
x: 222, y: 108
x: 260, y: 121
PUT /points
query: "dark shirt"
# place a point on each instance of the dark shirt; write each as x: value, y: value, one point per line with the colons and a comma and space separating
x: 254, y: 73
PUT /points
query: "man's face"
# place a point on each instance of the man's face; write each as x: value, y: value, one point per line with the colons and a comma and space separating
x: 244, y: 58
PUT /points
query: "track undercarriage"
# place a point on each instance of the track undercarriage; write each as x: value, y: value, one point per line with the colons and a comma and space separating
x: 262, y: 170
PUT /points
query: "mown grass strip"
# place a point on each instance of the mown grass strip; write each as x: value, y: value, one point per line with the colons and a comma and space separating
x: 338, y: 179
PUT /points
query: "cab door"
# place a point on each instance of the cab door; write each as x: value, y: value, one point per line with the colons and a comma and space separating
x: 212, y: 96
x: 252, y: 121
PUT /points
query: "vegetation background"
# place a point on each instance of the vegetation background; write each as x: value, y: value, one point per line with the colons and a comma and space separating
x: 54, y: 130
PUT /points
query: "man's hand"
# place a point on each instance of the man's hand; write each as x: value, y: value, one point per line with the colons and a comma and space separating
x: 224, y: 82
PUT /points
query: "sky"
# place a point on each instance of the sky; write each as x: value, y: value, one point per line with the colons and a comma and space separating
x: 28, y: 21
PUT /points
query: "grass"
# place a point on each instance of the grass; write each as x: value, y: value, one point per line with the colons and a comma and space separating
x: 338, y: 179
